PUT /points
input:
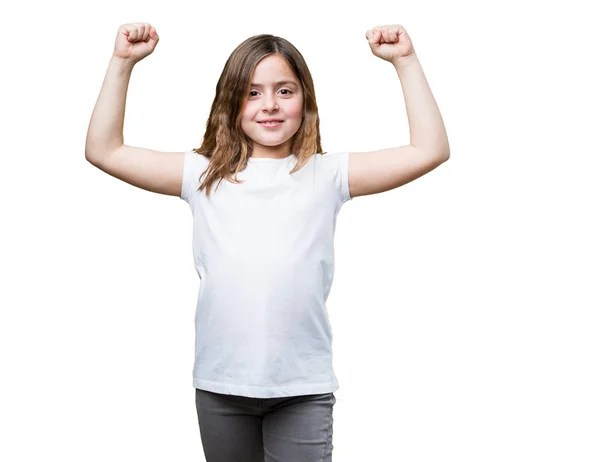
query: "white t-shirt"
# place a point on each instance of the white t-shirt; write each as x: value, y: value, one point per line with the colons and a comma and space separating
x: 264, y: 252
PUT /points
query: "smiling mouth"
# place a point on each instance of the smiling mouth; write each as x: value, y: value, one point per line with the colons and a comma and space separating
x: 271, y: 124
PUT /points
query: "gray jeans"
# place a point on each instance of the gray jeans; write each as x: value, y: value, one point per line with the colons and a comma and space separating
x: 242, y: 429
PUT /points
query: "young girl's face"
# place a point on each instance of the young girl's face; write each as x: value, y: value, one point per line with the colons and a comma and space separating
x: 269, y: 99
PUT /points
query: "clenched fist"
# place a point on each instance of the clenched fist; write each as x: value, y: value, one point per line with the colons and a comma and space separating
x: 135, y: 41
x: 390, y: 43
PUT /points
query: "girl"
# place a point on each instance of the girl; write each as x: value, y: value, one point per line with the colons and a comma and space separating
x: 263, y: 238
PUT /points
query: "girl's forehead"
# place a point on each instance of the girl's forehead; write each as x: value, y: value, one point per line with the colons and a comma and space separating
x: 273, y: 83
x: 274, y: 67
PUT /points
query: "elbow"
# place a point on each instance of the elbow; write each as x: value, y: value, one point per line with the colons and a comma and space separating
x: 94, y: 155
x: 441, y: 155
x: 91, y: 158
x: 444, y: 153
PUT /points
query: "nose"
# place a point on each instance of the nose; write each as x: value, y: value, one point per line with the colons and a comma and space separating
x: 270, y: 102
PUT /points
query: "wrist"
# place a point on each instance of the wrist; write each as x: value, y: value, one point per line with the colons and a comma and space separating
x: 405, y: 61
x: 122, y: 63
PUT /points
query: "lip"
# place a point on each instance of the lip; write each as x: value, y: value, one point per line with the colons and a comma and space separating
x: 271, y: 126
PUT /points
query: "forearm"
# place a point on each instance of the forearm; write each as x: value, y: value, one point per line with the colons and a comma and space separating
x: 427, y: 130
x: 105, y: 132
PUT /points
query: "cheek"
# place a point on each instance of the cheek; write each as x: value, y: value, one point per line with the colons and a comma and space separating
x: 295, y: 111
x: 248, y: 108
x: 246, y: 111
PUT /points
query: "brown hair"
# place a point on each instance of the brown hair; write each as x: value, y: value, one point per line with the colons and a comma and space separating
x: 225, y: 144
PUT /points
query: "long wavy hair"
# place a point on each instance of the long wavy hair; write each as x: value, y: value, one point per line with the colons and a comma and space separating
x: 225, y: 144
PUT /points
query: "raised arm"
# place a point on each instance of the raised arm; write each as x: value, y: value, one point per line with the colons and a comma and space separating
x: 155, y: 171
x: 378, y: 171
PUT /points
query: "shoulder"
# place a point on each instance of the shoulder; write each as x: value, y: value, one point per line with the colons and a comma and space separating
x: 335, y: 165
x: 332, y: 160
x: 331, y: 157
x: 198, y: 156
x: 196, y: 161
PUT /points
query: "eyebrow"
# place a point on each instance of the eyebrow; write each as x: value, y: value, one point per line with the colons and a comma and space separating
x: 281, y: 82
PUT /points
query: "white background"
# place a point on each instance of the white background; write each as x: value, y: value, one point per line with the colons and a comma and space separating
x: 465, y: 303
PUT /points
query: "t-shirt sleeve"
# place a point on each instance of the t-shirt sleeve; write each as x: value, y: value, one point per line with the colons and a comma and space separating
x: 191, y: 174
x: 339, y: 169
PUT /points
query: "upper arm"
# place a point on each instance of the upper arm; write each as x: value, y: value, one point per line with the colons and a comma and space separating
x: 378, y: 171
x: 159, y: 172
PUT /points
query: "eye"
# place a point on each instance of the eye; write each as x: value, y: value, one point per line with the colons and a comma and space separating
x: 289, y: 92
